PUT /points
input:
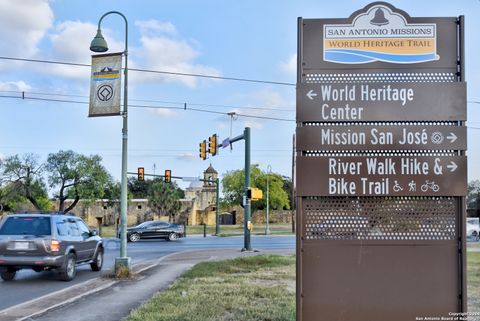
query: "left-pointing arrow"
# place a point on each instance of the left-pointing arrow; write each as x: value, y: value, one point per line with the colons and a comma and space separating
x: 452, y: 166
x: 311, y: 94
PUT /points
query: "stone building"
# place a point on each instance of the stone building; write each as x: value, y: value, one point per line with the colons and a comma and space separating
x: 199, y: 204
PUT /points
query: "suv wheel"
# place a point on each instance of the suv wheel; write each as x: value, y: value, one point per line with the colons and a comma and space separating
x: 97, y: 263
x: 8, y: 275
x: 68, y: 270
x: 172, y: 236
x: 134, y: 237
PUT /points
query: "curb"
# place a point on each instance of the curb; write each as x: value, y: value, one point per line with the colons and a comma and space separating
x: 42, y: 305
x: 18, y: 312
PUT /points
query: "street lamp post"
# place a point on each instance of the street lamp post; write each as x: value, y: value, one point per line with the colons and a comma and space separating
x: 99, y: 44
x: 267, y: 229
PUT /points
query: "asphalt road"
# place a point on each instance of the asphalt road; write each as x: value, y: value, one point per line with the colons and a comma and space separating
x: 29, y: 285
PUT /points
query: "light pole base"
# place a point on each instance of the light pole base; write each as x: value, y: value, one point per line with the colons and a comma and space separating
x: 122, y: 262
x: 249, y: 250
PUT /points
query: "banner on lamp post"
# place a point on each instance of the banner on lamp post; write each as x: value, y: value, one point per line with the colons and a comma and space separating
x: 105, y: 85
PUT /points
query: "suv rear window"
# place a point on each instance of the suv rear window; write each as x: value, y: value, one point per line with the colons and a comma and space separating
x: 26, y: 225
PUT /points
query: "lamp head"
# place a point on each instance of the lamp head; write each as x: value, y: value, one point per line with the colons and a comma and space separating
x: 98, y: 43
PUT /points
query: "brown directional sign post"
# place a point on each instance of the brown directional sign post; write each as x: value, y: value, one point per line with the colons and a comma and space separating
x: 382, y: 137
x: 381, y: 167
x: 381, y: 102
x: 382, y: 176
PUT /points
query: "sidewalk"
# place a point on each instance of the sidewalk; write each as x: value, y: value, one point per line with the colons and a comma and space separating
x: 103, y: 299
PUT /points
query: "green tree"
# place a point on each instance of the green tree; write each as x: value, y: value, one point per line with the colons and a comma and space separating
x: 77, y: 177
x: 287, y: 187
x: 233, y: 183
x: 139, y: 189
x: 164, y: 198
x: 473, y: 194
x: 21, y: 179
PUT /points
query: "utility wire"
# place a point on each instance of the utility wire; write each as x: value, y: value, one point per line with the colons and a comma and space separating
x: 24, y: 97
x: 56, y: 62
x: 154, y: 101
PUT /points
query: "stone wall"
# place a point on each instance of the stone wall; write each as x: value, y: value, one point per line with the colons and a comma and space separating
x: 274, y: 216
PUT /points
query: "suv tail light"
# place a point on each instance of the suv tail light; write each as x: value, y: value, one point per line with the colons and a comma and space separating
x: 55, y: 246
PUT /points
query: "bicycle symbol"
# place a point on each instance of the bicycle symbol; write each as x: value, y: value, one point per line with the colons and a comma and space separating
x: 430, y: 185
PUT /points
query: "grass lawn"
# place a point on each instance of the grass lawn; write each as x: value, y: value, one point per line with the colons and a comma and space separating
x: 248, y: 289
x: 473, y: 281
x: 244, y: 289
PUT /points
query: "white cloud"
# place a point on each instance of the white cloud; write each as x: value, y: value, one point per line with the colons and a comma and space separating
x: 70, y: 42
x: 268, y: 100
x: 23, y: 24
x: 290, y: 66
x: 187, y: 157
x: 161, y: 49
x: 153, y: 26
x: 15, y: 86
x: 163, y: 112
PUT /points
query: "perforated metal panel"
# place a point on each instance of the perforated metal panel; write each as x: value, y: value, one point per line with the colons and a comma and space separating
x: 374, y: 218
x: 312, y: 78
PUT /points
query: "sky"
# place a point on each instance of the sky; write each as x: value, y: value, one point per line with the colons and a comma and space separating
x: 249, y: 39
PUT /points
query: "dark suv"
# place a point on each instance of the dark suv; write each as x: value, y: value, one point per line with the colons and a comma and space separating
x: 45, y: 241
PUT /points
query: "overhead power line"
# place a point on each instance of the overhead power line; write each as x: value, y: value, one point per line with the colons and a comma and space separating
x: 180, y: 104
x: 185, y: 107
x: 173, y: 73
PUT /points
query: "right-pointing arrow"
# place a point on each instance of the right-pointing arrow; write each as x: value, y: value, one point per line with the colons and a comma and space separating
x: 452, y: 137
x: 452, y: 166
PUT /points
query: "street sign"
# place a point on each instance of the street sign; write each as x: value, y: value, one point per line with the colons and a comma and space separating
x: 355, y: 44
x: 381, y: 167
x: 382, y: 175
x: 191, y: 179
x: 394, y: 136
x: 402, y: 101
x: 225, y: 142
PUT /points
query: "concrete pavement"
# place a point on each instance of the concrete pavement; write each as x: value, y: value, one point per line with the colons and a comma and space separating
x: 104, y: 299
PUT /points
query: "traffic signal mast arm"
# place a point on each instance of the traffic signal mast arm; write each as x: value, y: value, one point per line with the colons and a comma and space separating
x: 155, y: 175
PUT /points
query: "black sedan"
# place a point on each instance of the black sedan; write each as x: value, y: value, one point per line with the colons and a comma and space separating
x: 155, y: 229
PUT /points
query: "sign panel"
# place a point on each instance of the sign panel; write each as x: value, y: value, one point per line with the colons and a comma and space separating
x: 379, y: 36
x: 105, y: 85
x: 355, y: 102
x: 329, y: 137
x: 382, y: 176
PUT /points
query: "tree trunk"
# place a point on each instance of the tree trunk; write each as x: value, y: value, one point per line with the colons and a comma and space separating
x: 72, y: 205
x: 33, y: 201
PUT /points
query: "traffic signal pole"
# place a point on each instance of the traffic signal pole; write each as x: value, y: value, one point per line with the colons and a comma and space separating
x: 217, y: 208
x: 248, y: 202
x: 247, y: 209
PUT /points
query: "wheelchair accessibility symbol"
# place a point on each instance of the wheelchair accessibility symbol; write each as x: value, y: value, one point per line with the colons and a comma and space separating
x: 105, y: 92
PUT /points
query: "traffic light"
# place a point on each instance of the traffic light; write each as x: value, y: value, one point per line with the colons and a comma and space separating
x: 203, y: 150
x: 141, y: 174
x: 212, y: 144
x: 168, y: 176
x: 254, y: 194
